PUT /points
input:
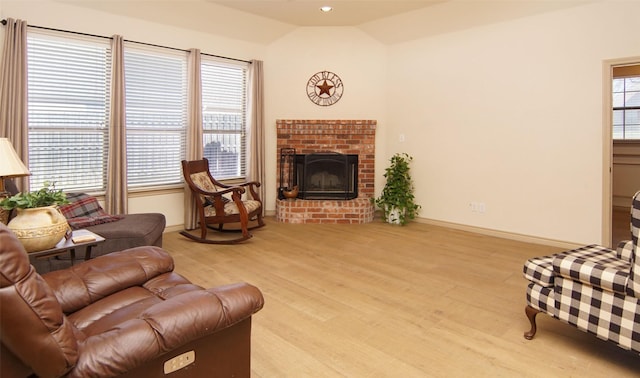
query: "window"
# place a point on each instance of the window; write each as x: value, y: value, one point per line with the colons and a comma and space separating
x: 68, y: 109
x: 224, y: 117
x: 156, y: 114
x: 68, y: 84
x: 626, y: 107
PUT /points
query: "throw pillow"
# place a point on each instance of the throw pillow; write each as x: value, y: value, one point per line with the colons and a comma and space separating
x: 84, y: 210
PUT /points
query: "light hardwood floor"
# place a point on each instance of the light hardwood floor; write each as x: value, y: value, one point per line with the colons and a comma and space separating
x: 620, y: 230
x: 377, y: 300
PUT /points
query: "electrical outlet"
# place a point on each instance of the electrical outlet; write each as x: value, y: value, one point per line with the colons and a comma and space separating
x: 401, y: 138
x: 477, y: 207
x: 179, y: 362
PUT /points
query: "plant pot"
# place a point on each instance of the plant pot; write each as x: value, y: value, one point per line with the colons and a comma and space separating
x: 290, y: 194
x: 39, y: 228
x: 393, y: 215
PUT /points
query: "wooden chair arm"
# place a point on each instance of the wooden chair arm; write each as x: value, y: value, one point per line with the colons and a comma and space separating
x: 229, y: 189
x: 257, y: 184
x: 246, y: 183
x: 253, y: 186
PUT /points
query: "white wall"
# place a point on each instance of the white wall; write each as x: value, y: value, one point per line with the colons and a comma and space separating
x: 57, y: 15
x: 359, y: 60
x: 289, y: 62
x: 510, y: 115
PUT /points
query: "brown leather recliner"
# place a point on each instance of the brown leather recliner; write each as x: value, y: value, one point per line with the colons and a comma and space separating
x: 119, y: 314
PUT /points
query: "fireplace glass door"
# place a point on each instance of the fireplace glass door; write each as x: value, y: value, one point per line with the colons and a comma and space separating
x: 327, y: 176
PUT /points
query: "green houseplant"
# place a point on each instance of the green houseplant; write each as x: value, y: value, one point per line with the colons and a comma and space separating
x: 397, y: 201
x: 47, y: 196
x: 39, y: 224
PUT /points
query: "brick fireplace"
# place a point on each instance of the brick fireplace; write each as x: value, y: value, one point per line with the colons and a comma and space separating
x: 338, y: 136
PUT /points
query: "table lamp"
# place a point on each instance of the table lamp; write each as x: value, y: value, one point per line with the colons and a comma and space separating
x: 10, y: 166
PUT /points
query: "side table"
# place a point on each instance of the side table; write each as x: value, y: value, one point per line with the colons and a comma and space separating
x: 84, y: 238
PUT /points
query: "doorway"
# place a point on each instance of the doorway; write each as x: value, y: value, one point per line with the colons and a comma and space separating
x: 621, y: 157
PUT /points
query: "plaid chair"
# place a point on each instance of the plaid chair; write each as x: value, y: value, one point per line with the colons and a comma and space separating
x: 593, y: 288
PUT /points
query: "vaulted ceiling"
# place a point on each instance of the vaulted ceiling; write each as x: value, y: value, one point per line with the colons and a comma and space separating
x: 307, y: 12
x: 263, y: 21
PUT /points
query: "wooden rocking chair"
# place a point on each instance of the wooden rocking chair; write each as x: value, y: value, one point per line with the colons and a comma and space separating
x: 219, y: 204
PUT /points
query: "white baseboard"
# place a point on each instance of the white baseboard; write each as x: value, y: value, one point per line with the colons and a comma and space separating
x: 462, y: 227
x: 177, y: 227
x: 502, y: 234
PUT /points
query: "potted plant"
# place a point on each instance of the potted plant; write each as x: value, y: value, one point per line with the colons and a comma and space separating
x: 397, y: 201
x: 38, y: 223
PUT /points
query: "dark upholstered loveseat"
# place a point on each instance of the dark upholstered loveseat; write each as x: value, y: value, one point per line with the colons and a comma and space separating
x: 130, y: 230
x: 133, y: 230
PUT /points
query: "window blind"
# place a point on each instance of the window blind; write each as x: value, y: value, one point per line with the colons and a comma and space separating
x: 224, y: 117
x: 68, y: 91
x: 626, y: 107
x: 156, y: 114
x: 69, y: 94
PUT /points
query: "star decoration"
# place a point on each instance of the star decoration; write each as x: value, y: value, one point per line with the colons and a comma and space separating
x: 324, y: 88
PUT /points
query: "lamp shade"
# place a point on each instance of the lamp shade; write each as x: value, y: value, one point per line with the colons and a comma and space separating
x: 10, y: 163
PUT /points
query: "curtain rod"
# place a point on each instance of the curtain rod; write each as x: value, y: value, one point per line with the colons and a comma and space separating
x: 4, y: 22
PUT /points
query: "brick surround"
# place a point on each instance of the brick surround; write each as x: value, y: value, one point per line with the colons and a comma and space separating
x: 342, y: 136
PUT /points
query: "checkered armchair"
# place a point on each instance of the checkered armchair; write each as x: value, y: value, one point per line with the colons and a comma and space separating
x: 593, y: 288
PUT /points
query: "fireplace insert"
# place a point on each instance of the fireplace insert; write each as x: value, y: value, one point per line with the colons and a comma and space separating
x: 326, y: 176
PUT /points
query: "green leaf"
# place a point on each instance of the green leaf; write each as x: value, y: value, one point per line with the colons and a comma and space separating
x: 46, y: 196
x: 398, y: 190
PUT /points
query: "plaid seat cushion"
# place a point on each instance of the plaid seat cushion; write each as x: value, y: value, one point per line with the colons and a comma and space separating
x: 594, y: 265
x: 539, y: 270
x: 84, y: 210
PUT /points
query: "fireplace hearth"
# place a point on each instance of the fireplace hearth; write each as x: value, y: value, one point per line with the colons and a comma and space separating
x: 338, y: 185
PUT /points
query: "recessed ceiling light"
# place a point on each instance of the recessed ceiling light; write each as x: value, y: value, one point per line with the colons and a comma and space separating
x: 326, y: 8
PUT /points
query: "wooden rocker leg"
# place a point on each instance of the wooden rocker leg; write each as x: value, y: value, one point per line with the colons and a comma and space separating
x: 212, y: 241
x: 219, y: 228
x: 531, y: 314
x: 260, y: 220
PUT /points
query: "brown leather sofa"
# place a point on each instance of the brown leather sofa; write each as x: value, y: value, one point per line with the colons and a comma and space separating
x: 126, y: 313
